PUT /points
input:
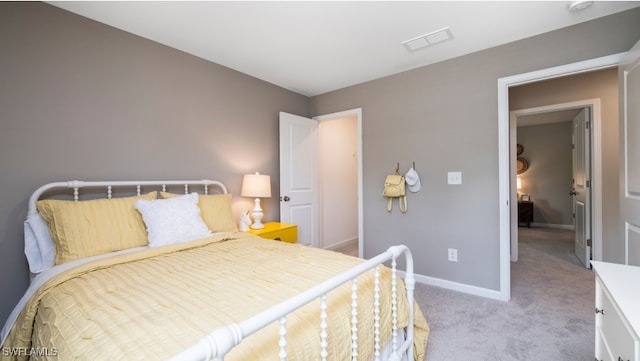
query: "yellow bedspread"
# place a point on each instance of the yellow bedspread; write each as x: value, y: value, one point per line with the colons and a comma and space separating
x: 152, y: 304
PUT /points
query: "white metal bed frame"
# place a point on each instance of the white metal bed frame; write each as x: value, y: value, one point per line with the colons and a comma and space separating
x: 219, y: 342
x: 109, y: 185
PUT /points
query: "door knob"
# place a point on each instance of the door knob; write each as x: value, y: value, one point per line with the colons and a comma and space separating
x: 573, y: 192
x: 285, y: 198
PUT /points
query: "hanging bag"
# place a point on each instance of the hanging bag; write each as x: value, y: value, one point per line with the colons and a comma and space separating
x: 394, y: 187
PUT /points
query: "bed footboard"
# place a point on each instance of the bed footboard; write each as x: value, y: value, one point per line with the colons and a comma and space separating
x: 218, y: 343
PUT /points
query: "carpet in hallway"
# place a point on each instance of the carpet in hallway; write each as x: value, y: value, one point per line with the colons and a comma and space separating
x: 550, y: 316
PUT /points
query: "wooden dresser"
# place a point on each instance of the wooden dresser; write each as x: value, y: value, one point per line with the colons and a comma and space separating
x: 525, y: 212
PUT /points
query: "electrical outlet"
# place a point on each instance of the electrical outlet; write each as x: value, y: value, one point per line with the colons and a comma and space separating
x: 453, y: 255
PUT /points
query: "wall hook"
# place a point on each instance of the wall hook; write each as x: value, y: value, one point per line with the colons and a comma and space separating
x: 398, y: 168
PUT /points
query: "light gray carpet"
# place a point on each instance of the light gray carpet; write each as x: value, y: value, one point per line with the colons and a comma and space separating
x: 550, y: 316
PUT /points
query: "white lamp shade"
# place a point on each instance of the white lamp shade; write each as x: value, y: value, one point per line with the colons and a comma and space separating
x: 256, y: 186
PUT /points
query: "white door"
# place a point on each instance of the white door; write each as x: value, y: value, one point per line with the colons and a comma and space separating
x: 299, y: 175
x: 629, y: 74
x: 581, y: 186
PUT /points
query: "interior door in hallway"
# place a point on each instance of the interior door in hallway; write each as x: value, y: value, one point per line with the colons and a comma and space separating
x: 629, y: 77
x: 581, y: 186
x: 298, y: 175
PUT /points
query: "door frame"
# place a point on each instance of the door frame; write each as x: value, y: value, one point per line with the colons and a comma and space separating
x: 504, y: 149
x: 596, y: 168
x: 357, y: 112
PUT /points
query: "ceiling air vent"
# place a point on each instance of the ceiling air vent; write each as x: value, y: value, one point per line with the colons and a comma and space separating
x: 429, y: 39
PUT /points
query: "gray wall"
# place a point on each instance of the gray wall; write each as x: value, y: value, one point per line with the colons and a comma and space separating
x: 80, y: 100
x: 598, y: 84
x: 445, y: 118
x: 547, y: 149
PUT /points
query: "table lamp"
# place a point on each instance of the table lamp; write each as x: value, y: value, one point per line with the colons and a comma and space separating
x: 256, y: 186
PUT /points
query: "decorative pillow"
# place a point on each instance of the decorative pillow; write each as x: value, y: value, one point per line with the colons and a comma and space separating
x: 81, y: 229
x: 38, y: 245
x: 215, y: 210
x: 173, y: 220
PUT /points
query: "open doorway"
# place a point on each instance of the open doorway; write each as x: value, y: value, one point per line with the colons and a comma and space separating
x: 340, y: 180
x: 507, y: 183
x: 560, y: 183
x: 557, y: 140
x: 338, y: 196
x: 305, y: 184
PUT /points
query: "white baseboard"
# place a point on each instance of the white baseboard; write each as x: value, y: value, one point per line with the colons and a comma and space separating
x: 459, y: 287
x: 474, y: 290
x: 341, y: 244
x: 555, y: 226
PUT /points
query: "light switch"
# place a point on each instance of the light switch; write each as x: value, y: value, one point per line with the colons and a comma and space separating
x: 454, y: 178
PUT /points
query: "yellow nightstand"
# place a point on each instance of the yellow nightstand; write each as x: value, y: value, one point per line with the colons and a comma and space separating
x: 278, y: 231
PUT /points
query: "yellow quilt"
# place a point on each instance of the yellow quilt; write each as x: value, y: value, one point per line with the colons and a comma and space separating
x: 153, y: 304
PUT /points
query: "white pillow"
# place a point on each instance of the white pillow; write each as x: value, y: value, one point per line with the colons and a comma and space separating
x: 38, y: 245
x: 172, y: 220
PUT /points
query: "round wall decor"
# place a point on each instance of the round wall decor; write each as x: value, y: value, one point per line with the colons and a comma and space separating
x: 521, y: 165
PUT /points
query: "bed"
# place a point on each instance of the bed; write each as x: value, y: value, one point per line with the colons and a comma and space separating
x: 158, y: 270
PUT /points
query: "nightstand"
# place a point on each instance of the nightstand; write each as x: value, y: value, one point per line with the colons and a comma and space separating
x: 525, y: 212
x: 278, y: 231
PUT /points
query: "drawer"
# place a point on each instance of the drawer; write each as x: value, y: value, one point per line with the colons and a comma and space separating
x: 289, y: 234
x: 618, y: 340
x: 278, y: 231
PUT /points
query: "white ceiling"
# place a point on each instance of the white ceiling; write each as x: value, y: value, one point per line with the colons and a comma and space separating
x: 315, y: 47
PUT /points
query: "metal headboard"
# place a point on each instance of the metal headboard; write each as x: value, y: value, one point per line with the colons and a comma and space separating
x: 76, y: 185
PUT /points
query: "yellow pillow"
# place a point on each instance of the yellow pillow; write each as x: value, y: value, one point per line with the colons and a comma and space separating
x: 215, y: 210
x: 88, y: 228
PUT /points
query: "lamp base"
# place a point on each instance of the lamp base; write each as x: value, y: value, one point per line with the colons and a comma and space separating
x: 257, y: 215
